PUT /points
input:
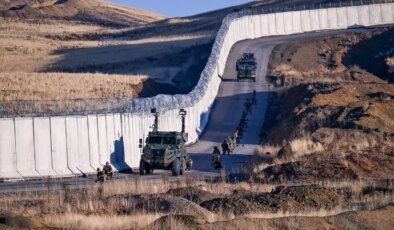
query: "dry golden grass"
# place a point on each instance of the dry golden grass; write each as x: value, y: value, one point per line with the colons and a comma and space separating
x: 97, y: 207
x: 350, y: 93
x: 63, y: 86
x: 305, y: 146
x: 79, y: 221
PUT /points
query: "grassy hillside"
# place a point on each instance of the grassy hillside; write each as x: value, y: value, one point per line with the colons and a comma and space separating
x: 93, y: 11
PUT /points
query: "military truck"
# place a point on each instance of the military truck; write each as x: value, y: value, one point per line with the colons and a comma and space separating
x: 246, y: 67
x: 164, y: 150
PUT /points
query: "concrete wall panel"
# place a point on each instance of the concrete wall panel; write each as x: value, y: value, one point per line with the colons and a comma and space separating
x: 258, y: 28
x: 42, y: 146
x: 323, y: 19
x: 315, y: 20
x: 375, y: 14
x: 342, y: 18
x: 59, y: 146
x: 133, y: 155
x: 271, y: 24
x: 280, y: 23
x: 83, y: 145
x: 25, y: 147
x: 363, y: 15
x: 72, y: 144
x: 296, y: 18
x: 93, y: 141
x: 264, y: 24
x: 305, y: 21
x: 126, y: 138
x: 119, y: 151
x: 102, y: 137
x: 288, y: 22
x: 387, y: 13
x: 8, y: 158
x: 352, y: 16
x: 332, y: 18
x: 109, y: 118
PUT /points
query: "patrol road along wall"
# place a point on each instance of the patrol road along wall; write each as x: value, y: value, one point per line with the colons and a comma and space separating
x: 73, y: 145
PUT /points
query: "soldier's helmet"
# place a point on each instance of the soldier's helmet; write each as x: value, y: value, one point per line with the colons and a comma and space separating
x: 98, y: 169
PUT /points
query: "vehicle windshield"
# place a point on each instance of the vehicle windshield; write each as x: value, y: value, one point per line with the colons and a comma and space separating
x: 155, y: 140
x: 162, y: 140
x: 169, y: 140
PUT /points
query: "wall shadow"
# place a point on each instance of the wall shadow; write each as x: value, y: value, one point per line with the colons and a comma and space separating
x: 178, y: 62
x: 117, y: 158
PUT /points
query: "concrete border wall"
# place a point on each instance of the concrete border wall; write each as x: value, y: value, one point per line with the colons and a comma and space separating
x: 72, y: 145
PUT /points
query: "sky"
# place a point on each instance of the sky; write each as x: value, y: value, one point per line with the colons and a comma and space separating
x: 179, y: 8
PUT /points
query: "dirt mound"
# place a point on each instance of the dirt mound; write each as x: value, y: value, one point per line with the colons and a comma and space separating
x: 93, y: 11
x: 158, y: 203
x: 306, y: 108
x: 15, y: 222
x: 377, y: 219
x: 289, y: 199
x: 231, y: 205
x: 193, y: 194
x: 342, y: 58
x: 176, y: 222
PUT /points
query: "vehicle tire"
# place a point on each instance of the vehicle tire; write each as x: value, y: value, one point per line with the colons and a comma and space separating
x: 148, y: 169
x: 175, y: 168
x: 183, y: 166
x: 142, y: 167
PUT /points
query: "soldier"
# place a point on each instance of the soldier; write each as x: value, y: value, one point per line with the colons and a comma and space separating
x: 216, y: 150
x: 225, y: 147
x: 248, y: 106
x: 254, y: 99
x: 100, y: 176
x: 235, y: 136
x: 230, y: 144
x: 216, y: 163
x: 189, y: 163
x: 108, y: 171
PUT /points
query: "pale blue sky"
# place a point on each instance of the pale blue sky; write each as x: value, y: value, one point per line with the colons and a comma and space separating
x: 179, y: 8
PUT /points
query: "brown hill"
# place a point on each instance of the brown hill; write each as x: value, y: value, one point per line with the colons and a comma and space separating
x: 94, y: 11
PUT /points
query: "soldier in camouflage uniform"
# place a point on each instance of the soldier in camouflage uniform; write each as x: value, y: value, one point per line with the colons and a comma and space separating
x: 108, y: 171
x: 100, y: 176
x: 216, y: 162
x: 230, y: 143
x: 225, y: 147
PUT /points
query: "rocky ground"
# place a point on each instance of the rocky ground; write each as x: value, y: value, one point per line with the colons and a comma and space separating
x: 331, y: 107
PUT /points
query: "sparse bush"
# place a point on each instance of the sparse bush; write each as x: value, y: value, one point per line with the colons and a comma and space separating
x: 305, y: 146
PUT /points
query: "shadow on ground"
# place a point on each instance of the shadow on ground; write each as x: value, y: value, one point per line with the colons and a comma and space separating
x: 370, y: 54
x: 176, y: 64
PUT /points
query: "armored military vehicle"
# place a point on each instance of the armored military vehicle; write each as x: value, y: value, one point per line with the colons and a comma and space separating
x: 246, y: 67
x: 164, y: 150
